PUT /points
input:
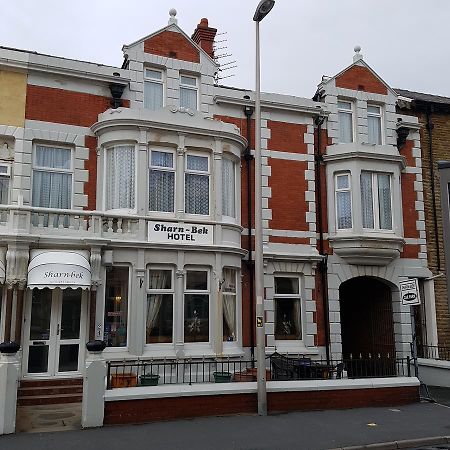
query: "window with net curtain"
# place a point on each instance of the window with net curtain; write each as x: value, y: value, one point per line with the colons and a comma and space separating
x: 196, y: 194
x: 162, y: 181
x: 288, y: 324
x: 52, y: 177
x: 343, y: 201
x: 159, y: 314
x: 345, y: 118
x: 228, y: 187
x: 229, y: 304
x: 376, y: 200
x: 374, y: 124
x: 153, y: 89
x: 196, y: 306
x: 120, y: 177
x: 188, y: 92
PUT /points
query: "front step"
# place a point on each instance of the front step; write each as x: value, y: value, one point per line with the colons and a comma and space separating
x: 50, y: 392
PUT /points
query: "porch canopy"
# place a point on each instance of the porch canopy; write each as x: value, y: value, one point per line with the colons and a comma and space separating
x: 59, y: 268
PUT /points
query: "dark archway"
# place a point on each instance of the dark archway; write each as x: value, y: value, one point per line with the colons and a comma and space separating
x: 367, y: 326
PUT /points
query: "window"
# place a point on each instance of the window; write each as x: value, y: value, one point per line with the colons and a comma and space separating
x: 196, y: 194
x: 288, y: 324
x: 120, y: 177
x: 159, y: 320
x: 228, y: 188
x: 5, y: 175
x: 153, y: 89
x: 374, y: 124
x: 116, y: 307
x: 196, y: 306
x: 188, y: 92
x: 343, y: 201
x: 161, y: 181
x: 345, y: 116
x: 229, y: 304
x: 376, y: 203
x: 52, y: 177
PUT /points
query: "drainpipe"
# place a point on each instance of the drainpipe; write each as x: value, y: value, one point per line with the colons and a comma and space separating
x: 248, y: 111
x: 430, y: 126
x: 323, y: 264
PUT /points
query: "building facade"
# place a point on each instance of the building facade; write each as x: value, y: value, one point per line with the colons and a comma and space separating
x: 127, y: 210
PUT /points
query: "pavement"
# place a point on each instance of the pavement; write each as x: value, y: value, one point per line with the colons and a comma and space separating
x: 409, y: 427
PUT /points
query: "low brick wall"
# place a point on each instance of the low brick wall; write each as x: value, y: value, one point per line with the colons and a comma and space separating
x: 140, y: 405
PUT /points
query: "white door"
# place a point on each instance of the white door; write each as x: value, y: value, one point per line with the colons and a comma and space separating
x: 54, y: 332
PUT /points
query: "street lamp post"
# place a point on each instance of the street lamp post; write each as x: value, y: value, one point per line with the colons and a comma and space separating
x: 262, y: 10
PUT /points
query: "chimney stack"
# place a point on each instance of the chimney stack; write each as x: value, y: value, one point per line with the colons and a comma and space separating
x: 204, y: 36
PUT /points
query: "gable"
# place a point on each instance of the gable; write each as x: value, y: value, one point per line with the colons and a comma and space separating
x: 172, y: 45
x: 360, y: 78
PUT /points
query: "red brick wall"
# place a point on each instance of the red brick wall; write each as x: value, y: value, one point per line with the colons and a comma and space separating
x: 406, y: 151
x: 360, y: 78
x: 410, y: 215
x: 287, y: 137
x: 172, y: 45
x: 246, y: 308
x: 62, y: 106
x: 90, y: 188
x: 288, y: 203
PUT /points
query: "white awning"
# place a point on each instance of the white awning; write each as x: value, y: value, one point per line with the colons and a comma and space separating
x: 59, y: 268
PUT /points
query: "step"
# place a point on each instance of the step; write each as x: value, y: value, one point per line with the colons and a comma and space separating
x: 49, y: 390
x: 52, y: 382
x: 49, y: 399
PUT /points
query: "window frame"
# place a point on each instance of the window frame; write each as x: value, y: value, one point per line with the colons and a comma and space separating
x: 187, y: 171
x: 375, y: 203
x: 162, y: 169
x: 236, y: 306
x: 225, y: 217
x: 351, y: 112
x: 161, y: 82
x: 195, y: 88
x: 336, y: 190
x: 381, y: 117
x: 287, y: 342
x: 37, y: 168
x: 7, y: 175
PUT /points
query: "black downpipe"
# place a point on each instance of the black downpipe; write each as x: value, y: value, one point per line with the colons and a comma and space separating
x: 248, y: 110
x: 430, y: 127
x: 323, y: 264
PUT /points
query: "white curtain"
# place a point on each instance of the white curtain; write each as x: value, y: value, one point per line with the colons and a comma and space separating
x: 344, y: 209
x: 158, y: 280
x: 374, y: 129
x: 297, y: 318
x: 384, y: 201
x: 120, y: 183
x: 153, y: 95
x: 161, y: 191
x: 345, y: 127
x: 229, y: 300
x: 367, y: 200
x: 4, y: 190
x: 228, y: 188
x: 188, y: 98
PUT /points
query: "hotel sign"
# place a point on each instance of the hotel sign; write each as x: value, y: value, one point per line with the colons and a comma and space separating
x: 180, y: 233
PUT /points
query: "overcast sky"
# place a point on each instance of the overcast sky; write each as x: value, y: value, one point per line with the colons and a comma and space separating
x: 405, y: 41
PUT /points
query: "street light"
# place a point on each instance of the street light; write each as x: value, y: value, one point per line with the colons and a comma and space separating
x: 262, y: 10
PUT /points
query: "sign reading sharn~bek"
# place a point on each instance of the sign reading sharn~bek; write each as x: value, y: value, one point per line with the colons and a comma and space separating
x: 409, y: 292
x: 180, y: 233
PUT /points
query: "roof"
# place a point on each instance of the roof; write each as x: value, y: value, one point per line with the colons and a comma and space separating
x: 427, y: 98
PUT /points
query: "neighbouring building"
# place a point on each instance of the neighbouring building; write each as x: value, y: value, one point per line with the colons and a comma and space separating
x: 126, y: 211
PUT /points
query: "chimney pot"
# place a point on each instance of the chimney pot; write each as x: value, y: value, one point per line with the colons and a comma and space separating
x: 204, y: 36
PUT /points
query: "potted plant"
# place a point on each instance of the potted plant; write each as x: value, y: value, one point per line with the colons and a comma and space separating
x: 222, y: 377
x: 149, y: 379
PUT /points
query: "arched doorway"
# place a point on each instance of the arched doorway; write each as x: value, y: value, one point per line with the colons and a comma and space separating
x: 367, y: 326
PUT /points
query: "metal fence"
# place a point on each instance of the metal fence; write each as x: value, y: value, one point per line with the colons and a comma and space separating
x: 278, y: 367
x: 433, y: 352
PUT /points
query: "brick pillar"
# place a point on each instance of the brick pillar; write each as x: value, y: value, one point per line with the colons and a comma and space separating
x: 204, y: 37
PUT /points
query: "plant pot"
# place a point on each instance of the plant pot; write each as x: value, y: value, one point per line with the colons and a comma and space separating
x: 149, y: 379
x: 123, y: 380
x: 222, y: 377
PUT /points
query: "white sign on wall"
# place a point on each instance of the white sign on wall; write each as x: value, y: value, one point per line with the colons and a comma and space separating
x: 409, y: 292
x: 180, y: 233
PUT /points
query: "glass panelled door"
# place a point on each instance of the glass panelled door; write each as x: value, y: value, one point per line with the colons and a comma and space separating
x: 55, y: 332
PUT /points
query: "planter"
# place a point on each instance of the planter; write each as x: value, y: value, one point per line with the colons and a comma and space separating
x: 123, y: 380
x: 149, y: 379
x: 222, y: 377
x: 250, y: 374
x: 95, y: 346
x: 9, y: 347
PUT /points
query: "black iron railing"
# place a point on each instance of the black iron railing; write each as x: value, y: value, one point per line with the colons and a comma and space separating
x: 278, y: 367
x: 433, y: 352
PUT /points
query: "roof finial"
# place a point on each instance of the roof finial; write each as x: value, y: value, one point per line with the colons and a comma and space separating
x: 172, y: 14
x: 357, y: 56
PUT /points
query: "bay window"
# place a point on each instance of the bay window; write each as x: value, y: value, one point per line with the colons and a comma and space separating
x: 228, y: 187
x: 52, y: 177
x: 345, y: 117
x: 153, y: 89
x: 288, y: 323
x: 197, y: 184
x: 196, y: 306
x: 162, y: 181
x: 376, y: 201
x: 188, y: 92
x: 160, y: 295
x: 343, y: 201
x: 374, y: 124
x: 229, y: 304
x: 120, y: 177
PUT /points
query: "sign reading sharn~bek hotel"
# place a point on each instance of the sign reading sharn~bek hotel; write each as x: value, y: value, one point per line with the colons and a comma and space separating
x: 180, y: 233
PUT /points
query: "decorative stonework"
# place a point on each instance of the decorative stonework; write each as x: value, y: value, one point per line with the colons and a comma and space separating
x: 96, y: 262
x: 17, y: 257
